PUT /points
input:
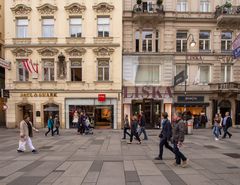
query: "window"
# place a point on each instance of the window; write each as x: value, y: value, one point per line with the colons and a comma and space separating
x: 156, y: 41
x: 180, y: 68
x: 204, y: 6
x: 181, y: 41
x: 137, y: 36
x: 103, y: 26
x: 204, y: 41
x: 48, y: 70
x: 76, y: 70
x: 225, y: 73
x: 22, y: 28
x: 103, y: 70
x: 204, y: 74
x: 226, y: 41
x: 182, y: 6
x: 23, y: 74
x: 75, y: 27
x: 147, y: 37
x: 48, y: 27
x: 149, y: 74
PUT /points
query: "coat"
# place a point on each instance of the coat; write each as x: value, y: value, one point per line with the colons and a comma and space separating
x: 50, y: 123
x: 166, y: 132
x: 24, y: 128
x: 178, y: 131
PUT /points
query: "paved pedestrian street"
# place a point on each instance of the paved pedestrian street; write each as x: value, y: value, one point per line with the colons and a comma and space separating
x: 105, y: 159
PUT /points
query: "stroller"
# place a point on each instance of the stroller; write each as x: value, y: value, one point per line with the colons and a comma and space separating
x: 88, y: 128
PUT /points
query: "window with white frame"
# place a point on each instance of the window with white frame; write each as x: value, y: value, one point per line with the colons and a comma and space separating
x: 103, y: 26
x: 76, y: 70
x: 226, y: 41
x: 180, y: 68
x: 75, y: 25
x: 22, y: 28
x: 182, y: 5
x: 48, y: 70
x: 226, y: 73
x: 47, y: 27
x: 204, y: 41
x: 103, y: 70
x: 148, y: 74
x: 147, y: 41
x: 181, y: 41
x: 204, y: 6
x: 204, y: 74
x: 23, y: 73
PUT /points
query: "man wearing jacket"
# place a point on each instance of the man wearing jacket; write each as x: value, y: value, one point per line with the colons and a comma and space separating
x: 165, y: 135
x: 142, y: 124
x: 178, y: 138
x: 227, y: 123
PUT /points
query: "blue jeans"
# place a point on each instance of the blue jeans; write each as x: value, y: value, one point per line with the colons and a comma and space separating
x: 179, y: 155
x: 215, y: 131
x: 142, y: 130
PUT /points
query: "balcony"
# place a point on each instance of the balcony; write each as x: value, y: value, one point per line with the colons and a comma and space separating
x: 227, y: 87
x: 228, y: 16
x: 146, y: 11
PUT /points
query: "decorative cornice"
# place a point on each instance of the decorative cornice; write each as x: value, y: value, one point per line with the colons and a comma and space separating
x: 75, y: 8
x: 21, y: 52
x: 103, y: 8
x: 76, y: 51
x: 21, y: 9
x: 47, y: 9
x: 48, y: 51
x: 103, y: 51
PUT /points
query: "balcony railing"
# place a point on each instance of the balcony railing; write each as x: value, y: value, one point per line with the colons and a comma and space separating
x: 222, y: 10
x: 148, y: 8
x: 227, y: 86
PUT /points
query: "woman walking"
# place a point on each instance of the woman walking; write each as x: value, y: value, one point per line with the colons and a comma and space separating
x: 126, y: 127
x: 134, y: 132
x: 50, y: 125
x: 75, y: 119
x: 56, y: 124
x: 216, y: 126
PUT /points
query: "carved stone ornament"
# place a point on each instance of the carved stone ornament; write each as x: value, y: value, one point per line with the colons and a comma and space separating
x: 48, y: 52
x: 103, y: 8
x: 75, y: 8
x: 47, y: 9
x: 22, y: 52
x: 75, y: 51
x: 103, y: 51
x: 21, y: 9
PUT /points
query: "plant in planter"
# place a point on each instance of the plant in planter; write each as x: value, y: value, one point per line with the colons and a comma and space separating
x: 227, y: 7
x: 160, y: 6
x: 159, y: 2
x: 139, y: 2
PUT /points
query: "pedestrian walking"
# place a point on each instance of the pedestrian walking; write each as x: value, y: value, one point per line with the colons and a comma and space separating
x: 203, y: 120
x: 216, y: 125
x: 134, y: 125
x: 178, y: 138
x: 227, y: 123
x: 220, y: 125
x: 126, y: 127
x: 26, y: 132
x: 165, y: 135
x: 75, y: 119
x: 142, y: 124
x: 50, y: 125
x: 56, y: 125
x: 81, y: 123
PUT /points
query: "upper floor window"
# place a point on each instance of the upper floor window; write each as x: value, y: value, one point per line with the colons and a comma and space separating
x: 23, y: 73
x: 226, y: 41
x: 180, y: 68
x: 76, y: 70
x: 204, y: 6
x: 148, y: 74
x: 147, y: 44
x: 204, y: 74
x: 226, y: 73
x: 75, y: 25
x: 182, y: 5
x: 47, y: 27
x: 181, y: 41
x: 103, y: 70
x: 22, y: 28
x: 103, y: 26
x: 147, y: 39
x: 204, y: 40
x: 48, y: 71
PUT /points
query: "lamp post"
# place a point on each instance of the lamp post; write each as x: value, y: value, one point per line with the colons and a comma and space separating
x: 192, y: 44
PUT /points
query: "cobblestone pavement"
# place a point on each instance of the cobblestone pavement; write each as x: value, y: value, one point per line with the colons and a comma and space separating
x: 105, y: 159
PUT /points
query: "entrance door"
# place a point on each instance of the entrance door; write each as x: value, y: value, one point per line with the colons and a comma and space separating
x: 24, y: 109
x: 225, y: 106
x: 148, y: 112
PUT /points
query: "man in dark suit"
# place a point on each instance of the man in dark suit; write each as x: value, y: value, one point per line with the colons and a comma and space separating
x: 227, y: 123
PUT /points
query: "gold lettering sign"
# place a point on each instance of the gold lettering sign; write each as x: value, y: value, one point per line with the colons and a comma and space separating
x: 41, y: 94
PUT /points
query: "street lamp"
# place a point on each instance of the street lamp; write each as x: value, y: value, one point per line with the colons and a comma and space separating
x: 192, y: 44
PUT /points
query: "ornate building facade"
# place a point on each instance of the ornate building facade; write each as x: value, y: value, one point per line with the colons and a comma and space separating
x: 66, y: 56
x: 156, y: 38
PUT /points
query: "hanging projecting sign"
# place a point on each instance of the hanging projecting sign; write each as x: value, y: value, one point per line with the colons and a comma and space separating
x: 5, y: 64
x: 101, y: 97
x: 236, y: 47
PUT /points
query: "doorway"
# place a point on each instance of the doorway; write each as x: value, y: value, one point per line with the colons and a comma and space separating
x: 50, y: 109
x: 22, y: 110
x: 225, y: 106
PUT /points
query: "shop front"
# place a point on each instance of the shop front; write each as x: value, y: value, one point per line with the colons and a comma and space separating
x: 152, y: 100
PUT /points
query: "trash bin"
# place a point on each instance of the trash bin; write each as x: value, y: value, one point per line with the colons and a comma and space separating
x: 190, y: 127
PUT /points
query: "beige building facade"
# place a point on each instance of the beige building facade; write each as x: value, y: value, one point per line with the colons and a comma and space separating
x: 156, y: 48
x: 66, y: 56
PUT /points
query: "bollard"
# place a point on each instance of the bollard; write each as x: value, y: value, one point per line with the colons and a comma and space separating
x: 189, y: 127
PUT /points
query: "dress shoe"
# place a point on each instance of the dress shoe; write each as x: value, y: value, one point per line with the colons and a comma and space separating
x: 20, y: 151
x: 158, y: 158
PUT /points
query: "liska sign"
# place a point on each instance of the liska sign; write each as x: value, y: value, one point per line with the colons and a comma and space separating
x: 155, y: 92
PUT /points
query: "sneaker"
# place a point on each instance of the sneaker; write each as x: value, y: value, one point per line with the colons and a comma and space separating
x: 158, y: 158
x: 129, y: 142
x: 20, y: 151
x: 216, y: 139
x: 123, y: 138
x: 230, y: 135
x: 139, y: 142
x: 175, y: 164
x: 34, y: 151
x: 184, y: 164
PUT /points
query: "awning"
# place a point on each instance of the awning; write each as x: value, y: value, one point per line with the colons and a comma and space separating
x: 191, y: 104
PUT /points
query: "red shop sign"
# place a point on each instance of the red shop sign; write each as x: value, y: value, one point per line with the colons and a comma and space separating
x: 101, y: 97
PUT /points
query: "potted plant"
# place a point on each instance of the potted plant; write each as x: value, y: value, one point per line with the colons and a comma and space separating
x: 139, y: 2
x: 227, y: 7
x: 160, y: 6
x: 159, y: 2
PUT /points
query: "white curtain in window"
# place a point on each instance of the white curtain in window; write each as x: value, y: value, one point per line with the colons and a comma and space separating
x: 147, y: 74
x: 204, y: 74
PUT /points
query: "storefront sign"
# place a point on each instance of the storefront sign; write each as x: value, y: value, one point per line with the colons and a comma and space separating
x: 190, y: 98
x: 41, y: 94
x: 156, y: 92
x: 195, y: 57
x: 5, y: 64
x: 102, y: 97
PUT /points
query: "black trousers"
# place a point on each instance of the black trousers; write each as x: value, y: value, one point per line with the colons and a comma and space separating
x: 56, y: 130
x: 179, y: 155
x: 125, y: 132
x: 225, y: 129
x: 134, y: 133
x: 49, y: 129
x: 164, y: 142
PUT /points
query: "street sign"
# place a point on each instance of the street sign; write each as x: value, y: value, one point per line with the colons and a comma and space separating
x: 236, y: 53
x: 179, y: 78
